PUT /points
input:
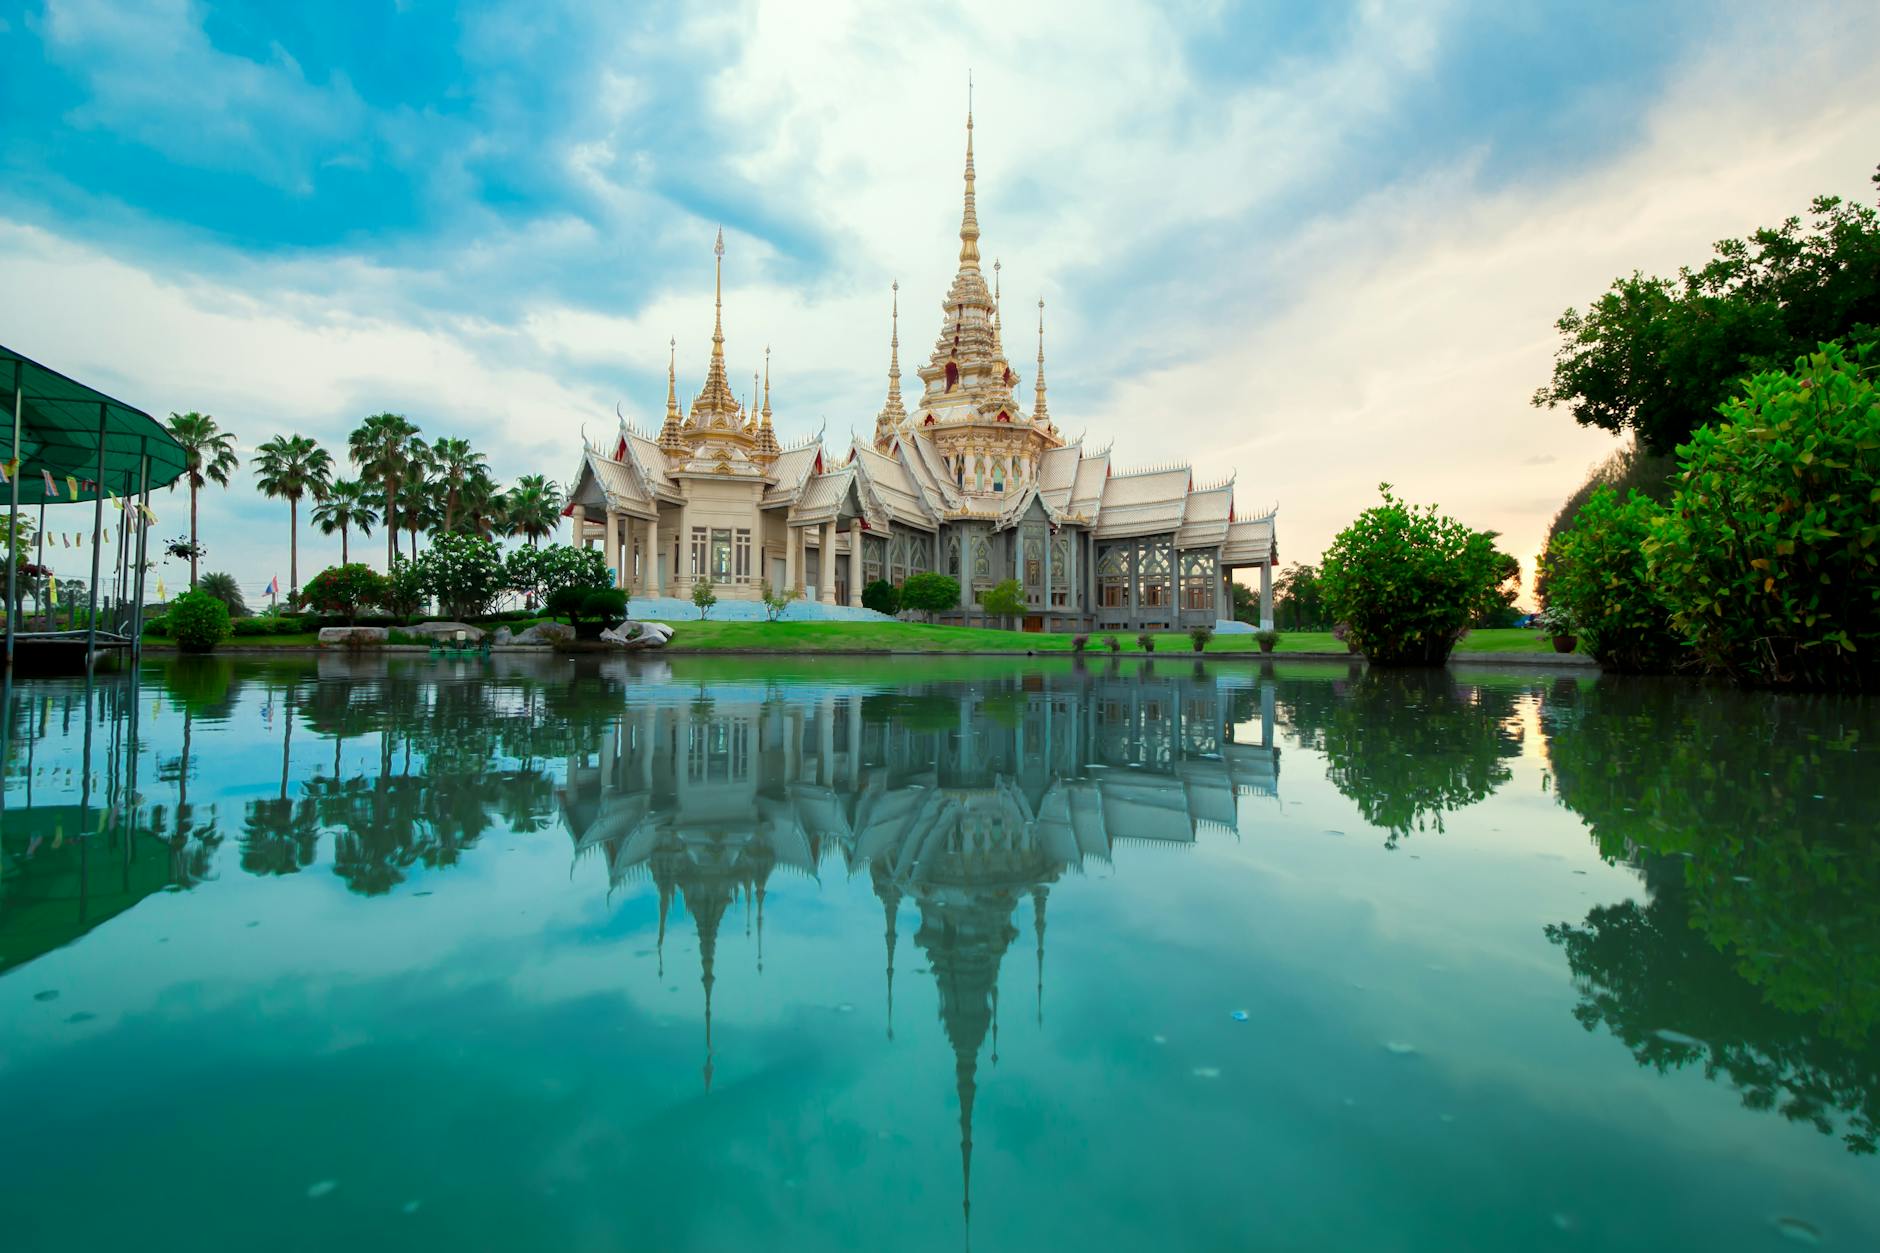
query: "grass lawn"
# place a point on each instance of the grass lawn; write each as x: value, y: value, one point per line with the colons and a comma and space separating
x: 820, y: 637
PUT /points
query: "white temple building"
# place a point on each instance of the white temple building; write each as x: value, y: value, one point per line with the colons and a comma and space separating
x: 969, y: 482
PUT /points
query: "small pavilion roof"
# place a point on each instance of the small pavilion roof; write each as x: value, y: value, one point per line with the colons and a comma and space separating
x: 63, y: 421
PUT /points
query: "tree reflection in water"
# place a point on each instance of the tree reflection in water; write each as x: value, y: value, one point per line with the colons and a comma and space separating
x: 1757, y: 954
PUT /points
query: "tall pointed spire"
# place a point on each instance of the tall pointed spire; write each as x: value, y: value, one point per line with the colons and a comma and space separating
x: 766, y: 447
x: 893, y: 415
x: 716, y: 405
x: 766, y: 384
x: 1039, y: 412
x: 969, y: 220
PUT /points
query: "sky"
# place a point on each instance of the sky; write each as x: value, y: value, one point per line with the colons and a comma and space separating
x: 1316, y: 246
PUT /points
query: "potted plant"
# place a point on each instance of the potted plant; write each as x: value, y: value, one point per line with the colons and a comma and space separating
x: 1200, y: 635
x: 1113, y: 644
x: 1079, y: 643
x: 1558, y: 622
x: 1146, y: 642
x: 1266, y: 640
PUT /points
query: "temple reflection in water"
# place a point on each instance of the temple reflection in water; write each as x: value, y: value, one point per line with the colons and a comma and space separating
x: 969, y: 799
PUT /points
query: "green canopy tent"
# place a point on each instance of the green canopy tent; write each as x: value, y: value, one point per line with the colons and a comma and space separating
x: 78, y: 437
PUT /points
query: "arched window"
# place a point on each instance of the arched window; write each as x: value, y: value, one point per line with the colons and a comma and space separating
x: 953, y: 376
x: 998, y: 478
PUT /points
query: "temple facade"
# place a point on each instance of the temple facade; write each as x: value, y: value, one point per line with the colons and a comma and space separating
x: 970, y: 481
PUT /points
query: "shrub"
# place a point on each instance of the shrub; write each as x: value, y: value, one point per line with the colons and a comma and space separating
x: 566, y: 602
x: 289, y: 624
x: 930, y: 593
x: 1201, y: 635
x: 1267, y: 640
x: 1079, y: 643
x: 604, y: 604
x: 1146, y: 642
x: 1596, y: 573
x: 224, y: 588
x: 404, y: 588
x: 1003, y: 600
x: 464, y: 572
x: 1769, y: 553
x: 342, y: 591
x: 703, y: 597
x: 776, y: 600
x: 881, y: 597
x: 1407, y: 581
x: 543, y: 571
x: 1112, y: 643
x: 198, y: 621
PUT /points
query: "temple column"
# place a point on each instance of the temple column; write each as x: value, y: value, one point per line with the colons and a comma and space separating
x: 790, y: 538
x: 610, y: 544
x: 1266, y: 596
x: 578, y: 516
x: 1224, y: 595
x: 1047, y: 579
x: 855, y: 564
x: 654, y: 569
x: 682, y: 582
x: 826, y: 564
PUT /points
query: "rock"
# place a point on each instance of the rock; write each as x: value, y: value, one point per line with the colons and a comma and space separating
x: 447, y: 630
x: 503, y: 636
x: 633, y: 635
x: 546, y: 633
x: 352, y: 637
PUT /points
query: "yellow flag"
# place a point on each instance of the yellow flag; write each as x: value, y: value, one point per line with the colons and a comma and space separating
x: 149, y: 517
x: 117, y: 504
x: 71, y: 485
x: 161, y: 594
x: 52, y: 590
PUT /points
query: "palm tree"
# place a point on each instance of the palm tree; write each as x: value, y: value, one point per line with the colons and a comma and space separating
x: 208, y: 456
x: 347, y: 504
x: 480, y: 507
x: 420, y: 506
x: 293, y: 466
x: 384, y: 447
x: 533, y: 507
x: 455, y: 461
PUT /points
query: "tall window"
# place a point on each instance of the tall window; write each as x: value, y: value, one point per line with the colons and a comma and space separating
x: 998, y: 477
x: 871, y: 560
x: 953, y: 376
x: 701, y: 552
x: 953, y: 557
x: 1034, y: 562
x: 1060, y: 572
x: 1197, y: 580
x: 1153, y: 589
x: 1113, y: 578
x: 742, y: 554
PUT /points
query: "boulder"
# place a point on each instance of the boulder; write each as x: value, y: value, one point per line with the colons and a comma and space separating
x: 352, y: 637
x: 503, y: 635
x: 638, y: 635
x: 447, y: 630
x: 546, y: 633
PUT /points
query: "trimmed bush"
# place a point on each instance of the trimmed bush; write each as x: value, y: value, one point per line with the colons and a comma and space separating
x: 1596, y: 574
x: 342, y: 591
x: 882, y: 597
x: 604, y: 604
x: 404, y: 589
x: 198, y: 622
x: 464, y: 573
x: 930, y: 593
x: 1407, y: 581
x: 1769, y: 553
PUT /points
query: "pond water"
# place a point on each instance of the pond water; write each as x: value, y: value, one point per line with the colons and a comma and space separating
x: 801, y: 954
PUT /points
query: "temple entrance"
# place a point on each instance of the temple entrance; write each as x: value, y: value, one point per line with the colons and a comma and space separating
x: 1034, y: 622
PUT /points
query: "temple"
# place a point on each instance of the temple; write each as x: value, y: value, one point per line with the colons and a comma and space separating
x: 971, y: 482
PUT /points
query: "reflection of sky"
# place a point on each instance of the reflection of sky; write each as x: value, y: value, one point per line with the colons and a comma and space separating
x: 492, y: 1041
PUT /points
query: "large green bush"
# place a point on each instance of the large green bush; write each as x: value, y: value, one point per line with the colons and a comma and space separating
x: 197, y: 621
x: 343, y: 591
x: 464, y: 573
x: 1003, y: 600
x: 1407, y: 581
x: 930, y: 593
x: 544, y: 571
x: 1596, y: 571
x: 404, y: 588
x: 881, y: 597
x: 1769, y: 553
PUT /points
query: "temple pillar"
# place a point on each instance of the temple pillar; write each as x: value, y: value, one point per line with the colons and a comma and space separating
x: 578, y: 516
x: 1266, y: 596
x: 791, y: 581
x: 826, y: 564
x: 855, y: 564
x: 682, y: 581
x: 610, y: 544
x: 654, y: 569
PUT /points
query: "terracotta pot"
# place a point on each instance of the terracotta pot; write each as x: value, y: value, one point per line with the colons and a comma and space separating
x: 1566, y: 643
x: 1266, y: 646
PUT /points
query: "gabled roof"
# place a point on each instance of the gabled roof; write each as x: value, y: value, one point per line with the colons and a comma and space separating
x: 1251, y: 542
x: 1204, y: 522
x: 823, y: 496
x: 930, y: 473
x: 605, y: 483
x: 1087, y: 486
x: 1143, y: 504
x: 651, y: 460
x: 791, y: 469
x: 1057, y: 474
x: 893, y: 488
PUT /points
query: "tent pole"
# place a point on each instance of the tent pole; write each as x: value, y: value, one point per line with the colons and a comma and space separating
x: 41, y: 561
x: 13, y: 565
x: 97, y: 535
x: 143, y: 544
x: 117, y: 562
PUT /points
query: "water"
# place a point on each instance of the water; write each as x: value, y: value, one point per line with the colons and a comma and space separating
x: 805, y: 954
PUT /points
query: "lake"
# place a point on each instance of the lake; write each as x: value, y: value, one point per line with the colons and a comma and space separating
x: 799, y: 953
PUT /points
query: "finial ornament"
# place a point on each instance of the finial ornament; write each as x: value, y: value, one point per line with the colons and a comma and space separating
x: 969, y: 220
x: 1039, y: 413
x: 766, y: 384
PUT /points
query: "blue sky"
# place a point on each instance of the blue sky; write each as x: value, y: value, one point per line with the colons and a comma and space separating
x: 1318, y: 246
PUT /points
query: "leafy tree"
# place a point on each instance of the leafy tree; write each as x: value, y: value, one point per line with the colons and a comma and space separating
x: 455, y: 462
x: 604, y: 604
x: 1407, y: 581
x: 344, y: 590
x: 881, y: 597
x: 288, y: 467
x: 387, y: 450
x: 208, y: 457
x: 1769, y: 555
x: 346, y: 506
x: 1627, y: 469
x: 197, y: 621
x: 225, y: 589
x: 1657, y: 356
x: 930, y: 593
x: 776, y: 600
x: 1247, y: 604
x: 404, y: 588
x: 540, y: 572
x: 532, y: 508
x: 1597, y: 576
x: 703, y: 597
x: 464, y: 573
x: 1298, y: 596
x: 1003, y: 600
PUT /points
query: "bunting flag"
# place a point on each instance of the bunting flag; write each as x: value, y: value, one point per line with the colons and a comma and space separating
x: 65, y: 539
x: 161, y: 594
x: 71, y: 486
x: 5, y: 467
x: 149, y: 517
x: 274, y: 586
x: 52, y: 590
x: 52, y: 488
x: 117, y: 504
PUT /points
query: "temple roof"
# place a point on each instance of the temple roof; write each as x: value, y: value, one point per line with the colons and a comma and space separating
x: 896, y: 489
x: 823, y: 495
x: 791, y: 470
x: 1204, y: 523
x: 1147, y: 503
x: 1251, y: 542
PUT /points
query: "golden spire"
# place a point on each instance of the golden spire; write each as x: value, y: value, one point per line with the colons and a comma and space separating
x: 997, y: 265
x: 766, y: 384
x: 669, y: 433
x: 893, y: 414
x: 718, y: 298
x: 766, y: 445
x: 716, y: 407
x: 969, y: 221
x: 1038, y: 411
